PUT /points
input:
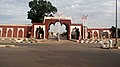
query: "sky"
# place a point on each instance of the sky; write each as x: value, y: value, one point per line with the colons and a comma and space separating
x: 101, y: 13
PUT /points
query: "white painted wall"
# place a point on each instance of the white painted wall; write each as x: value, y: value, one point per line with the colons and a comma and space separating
x: 107, y: 31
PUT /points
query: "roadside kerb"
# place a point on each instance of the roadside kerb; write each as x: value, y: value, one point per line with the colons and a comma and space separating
x: 7, y: 46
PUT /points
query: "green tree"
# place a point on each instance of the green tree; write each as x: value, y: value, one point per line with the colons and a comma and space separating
x: 113, y: 32
x: 39, y: 9
x: 64, y: 34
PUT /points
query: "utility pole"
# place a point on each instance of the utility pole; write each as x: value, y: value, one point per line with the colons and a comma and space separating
x: 116, y: 27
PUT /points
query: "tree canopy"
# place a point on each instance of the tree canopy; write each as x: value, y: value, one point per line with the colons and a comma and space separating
x: 113, y: 32
x: 39, y: 9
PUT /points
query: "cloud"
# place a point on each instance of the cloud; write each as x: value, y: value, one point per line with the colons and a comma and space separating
x: 14, y: 11
x: 101, y: 13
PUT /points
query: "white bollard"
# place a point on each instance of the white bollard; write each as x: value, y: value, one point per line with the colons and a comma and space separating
x: 110, y: 43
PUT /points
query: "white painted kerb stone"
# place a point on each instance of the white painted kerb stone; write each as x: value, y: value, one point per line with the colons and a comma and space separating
x: 7, y: 45
x: 118, y: 47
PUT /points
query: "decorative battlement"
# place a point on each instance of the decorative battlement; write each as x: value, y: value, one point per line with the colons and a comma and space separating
x: 15, y: 24
x: 63, y: 18
x: 99, y: 28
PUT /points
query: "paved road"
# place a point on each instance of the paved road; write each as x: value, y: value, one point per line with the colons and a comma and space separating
x: 64, y: 54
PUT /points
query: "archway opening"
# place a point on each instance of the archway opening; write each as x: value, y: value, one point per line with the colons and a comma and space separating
x: 58, y: 30
x: 95, y: 35
x: 20, y: 33
x: 39, y: 33
x: 89, y: 35
x: 75, y: 34
x: 9, y: 33
x: 105, y: 34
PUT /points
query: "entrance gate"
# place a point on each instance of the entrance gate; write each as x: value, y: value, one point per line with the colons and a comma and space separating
x: 49, y: 21
x: 52, y: 20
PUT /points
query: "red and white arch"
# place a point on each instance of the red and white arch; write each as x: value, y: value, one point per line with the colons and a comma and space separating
x: 9, y: 32
x: 37, y: 26
x: 0, y: 32
x: 78, y: 27
x: 20, y: 33
x: 95, y: 34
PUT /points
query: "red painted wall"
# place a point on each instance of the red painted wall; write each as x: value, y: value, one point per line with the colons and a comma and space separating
x: 15, y: 29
